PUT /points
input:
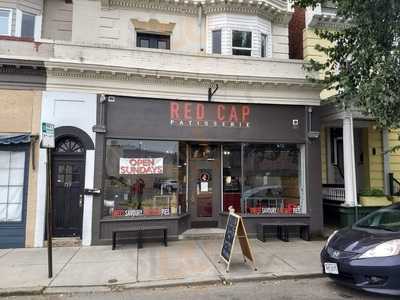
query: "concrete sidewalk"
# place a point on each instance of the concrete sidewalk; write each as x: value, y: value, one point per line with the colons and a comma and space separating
x: 98, y: 268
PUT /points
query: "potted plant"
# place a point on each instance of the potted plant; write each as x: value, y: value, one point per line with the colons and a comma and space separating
x: 374, y: 197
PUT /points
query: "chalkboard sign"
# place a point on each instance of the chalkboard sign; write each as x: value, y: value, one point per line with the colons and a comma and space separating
x: 229, y: 237
x: 235, y: 229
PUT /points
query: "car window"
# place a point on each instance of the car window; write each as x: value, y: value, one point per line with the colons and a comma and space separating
x: 383, y: 219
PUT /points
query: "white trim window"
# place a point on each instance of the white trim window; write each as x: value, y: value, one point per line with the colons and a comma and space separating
x: 12, y: 170
x: 28, y: 25
x: 264, y: 45
x: 5, y: 21
x: 241, y: 42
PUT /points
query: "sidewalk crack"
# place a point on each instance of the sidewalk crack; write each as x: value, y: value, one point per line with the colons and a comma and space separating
x: 63, y: 267
x: 7, y: 252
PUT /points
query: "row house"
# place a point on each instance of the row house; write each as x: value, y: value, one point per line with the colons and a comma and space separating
x: 165, y: 113
x: 355, y: 158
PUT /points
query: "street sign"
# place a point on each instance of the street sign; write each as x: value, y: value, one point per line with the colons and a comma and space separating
x: 47, y: 135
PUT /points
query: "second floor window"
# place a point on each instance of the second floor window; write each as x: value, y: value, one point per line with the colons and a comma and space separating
x: 5, y: 21
x: 241, y: 43
x: 28, y: 26
x: 263, y: 45
x: 216, y: 41
x: 156, y: 41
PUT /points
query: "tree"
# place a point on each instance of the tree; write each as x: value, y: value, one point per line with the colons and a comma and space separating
x: 363, y: 63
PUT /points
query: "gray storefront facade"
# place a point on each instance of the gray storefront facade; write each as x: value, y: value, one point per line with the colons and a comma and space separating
x: 182, y: 164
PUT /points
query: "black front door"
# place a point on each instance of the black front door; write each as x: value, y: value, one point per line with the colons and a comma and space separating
x: 67, y: 190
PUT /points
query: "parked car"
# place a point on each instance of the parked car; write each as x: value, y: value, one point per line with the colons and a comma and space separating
x: 367, y: 255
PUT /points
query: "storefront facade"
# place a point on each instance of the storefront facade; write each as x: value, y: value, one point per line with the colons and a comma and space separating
x: 183, y: 163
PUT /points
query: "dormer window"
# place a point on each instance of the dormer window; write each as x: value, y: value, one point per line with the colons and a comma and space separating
x: 155, y: 41
x: 241, y: 43
x: 5, y: 21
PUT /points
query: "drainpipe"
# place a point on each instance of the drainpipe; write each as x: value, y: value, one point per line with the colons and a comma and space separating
x: 386, y: 160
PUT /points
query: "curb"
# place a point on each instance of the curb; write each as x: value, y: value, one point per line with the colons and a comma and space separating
x: 152, y: 285
x: 27, y: 291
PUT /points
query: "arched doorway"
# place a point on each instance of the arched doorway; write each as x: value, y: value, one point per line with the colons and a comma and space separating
x: 68, y: 176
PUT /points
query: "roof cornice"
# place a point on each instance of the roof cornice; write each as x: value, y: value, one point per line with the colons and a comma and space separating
x: 274, y: 10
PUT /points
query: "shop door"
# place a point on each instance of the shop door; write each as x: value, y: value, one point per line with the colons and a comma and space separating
x: 204, y: 185
x: 67, y: 190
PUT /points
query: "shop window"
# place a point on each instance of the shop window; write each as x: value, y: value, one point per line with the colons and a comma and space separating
x: 241, y: 43
x: 263, y: 45
x: 232, y: 172
x: 28, y: 26
x: 144, y: 178
x: 272, y: 179
x: 216, y: 41
x: 12, y: 170
x: 5, y: 21
x: 156, y: 41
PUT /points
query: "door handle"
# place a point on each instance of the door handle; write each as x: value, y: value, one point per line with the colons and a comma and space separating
x: 80, y: 200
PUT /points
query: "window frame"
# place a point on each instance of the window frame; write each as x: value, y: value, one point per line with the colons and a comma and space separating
x: 264, y: 37
x: 242, y: 48
x: 34, y: 24
x: 9, y: 20
x: 220, y: 41
x: 25, y: 149
x: 153, y: 37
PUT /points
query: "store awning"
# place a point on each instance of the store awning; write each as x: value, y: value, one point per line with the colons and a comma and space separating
x: 14, y: 139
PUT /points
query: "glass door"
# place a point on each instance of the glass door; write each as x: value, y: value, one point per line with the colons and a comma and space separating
x: 205, y: 184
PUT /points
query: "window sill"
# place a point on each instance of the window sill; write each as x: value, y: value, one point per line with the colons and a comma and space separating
x: 142, y: 218
x: 16, y: 38
x: 269, y: 216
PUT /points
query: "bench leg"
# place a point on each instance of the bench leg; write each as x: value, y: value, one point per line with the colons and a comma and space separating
x: 286, y: 233
x: 140, y: 240
x: 165, y: 237
x: 114, y: 238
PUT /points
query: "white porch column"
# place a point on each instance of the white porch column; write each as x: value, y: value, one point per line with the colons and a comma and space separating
x: 350, y: 183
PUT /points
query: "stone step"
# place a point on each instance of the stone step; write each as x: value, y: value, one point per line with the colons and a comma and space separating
x: 203, y: 234
x: 66, y: 242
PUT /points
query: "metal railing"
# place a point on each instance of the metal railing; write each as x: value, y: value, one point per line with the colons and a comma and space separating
x: 394, y: 185
x: 333, y: 192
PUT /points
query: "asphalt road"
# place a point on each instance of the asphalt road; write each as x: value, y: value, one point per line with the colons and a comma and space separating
x: 307, y: 289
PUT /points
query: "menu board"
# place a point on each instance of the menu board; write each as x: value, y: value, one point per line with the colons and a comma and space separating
x: 235, y: 229
x: 229, y: 237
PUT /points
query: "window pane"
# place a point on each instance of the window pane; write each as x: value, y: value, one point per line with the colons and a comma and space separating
x: 4, y: 159
x: 28, y: 25
x: 141, y: 178
x: 18, y: 160
x: 216, y: 42
x: 15, y: 194
x: 14, y: 212
x: 232, y: 176
x: 4, y: 21
x: 16, y: 176
x: 144, y: 43
x: 241, y: 52
x: 182, y: 180
x: 4, y: 176
x: 3, y: 194
x: 241, y: 39
x: 271, y: 179
x: 162, y: 44
x: 3, y: 212
x: 263, y: 45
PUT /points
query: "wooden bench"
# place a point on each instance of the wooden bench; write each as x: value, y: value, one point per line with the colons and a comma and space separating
x: 282, y: 230
x: 140, y: 230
